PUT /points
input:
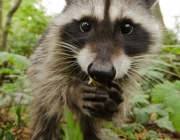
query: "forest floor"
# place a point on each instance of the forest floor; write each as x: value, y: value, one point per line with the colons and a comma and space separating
x: 24, y: 132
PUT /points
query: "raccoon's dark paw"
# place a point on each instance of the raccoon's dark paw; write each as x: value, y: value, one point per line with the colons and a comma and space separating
x: 101, y: 102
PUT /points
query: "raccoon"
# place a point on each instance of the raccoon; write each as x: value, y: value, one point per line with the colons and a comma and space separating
x: 106, y: 40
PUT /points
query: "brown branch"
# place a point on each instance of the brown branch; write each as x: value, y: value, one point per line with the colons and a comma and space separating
x: 8, y: 23
x: 1, y: 29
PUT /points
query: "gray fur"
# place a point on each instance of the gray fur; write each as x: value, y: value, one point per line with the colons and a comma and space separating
x: 151, y: 2
x: 55, y: 83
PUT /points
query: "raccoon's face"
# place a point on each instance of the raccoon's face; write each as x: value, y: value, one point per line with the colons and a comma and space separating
x: 106, y: 36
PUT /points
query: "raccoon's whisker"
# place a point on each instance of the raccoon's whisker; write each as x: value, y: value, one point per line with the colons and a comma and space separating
x: 161, y: 62
x: 165, y: 71
x: 68, y: 67
x: 65, y: 54
x: 72, y: 64
x: 72, y: 38
x: 139, y: 65
x: 146, y: 77
x: 136, y: 75
x: 69, y: 62
x: 151, y: 78
x: 135, y: 66
x: 140, y: 59
x: 63, y: 62
x: 69, y: 46
x: 87, y: 77
x: 69, y: 49
x: 74, y: 69
x: 133, y: 71
x: 131, y: 79
x: 78, y: 75
x: 66, y: 57
x: 82, y: 75
x: 142, y: 79
x: 156, y: 68
x: 144, y: 56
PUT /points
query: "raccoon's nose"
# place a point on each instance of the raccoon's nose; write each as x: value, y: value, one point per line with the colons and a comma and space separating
x: 101, y: 72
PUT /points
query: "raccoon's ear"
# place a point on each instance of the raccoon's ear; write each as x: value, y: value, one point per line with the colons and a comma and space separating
x: 70, y: 1
x: 150, y: 3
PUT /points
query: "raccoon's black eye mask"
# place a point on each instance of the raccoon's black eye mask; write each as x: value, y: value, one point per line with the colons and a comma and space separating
x: 125, y: 27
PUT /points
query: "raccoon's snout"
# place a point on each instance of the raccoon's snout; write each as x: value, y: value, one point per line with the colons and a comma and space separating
x: 101, y: 72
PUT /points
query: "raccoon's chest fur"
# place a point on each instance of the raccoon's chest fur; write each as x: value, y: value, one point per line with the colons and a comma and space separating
x: 107, y: 40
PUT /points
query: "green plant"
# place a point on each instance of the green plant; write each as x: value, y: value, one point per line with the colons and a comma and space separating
x: 126, y: 131
x: 12, y: 75
x: 145, y: 109
x: 6, y: 133
x: 72, y: 129
x: 28, y: 24
x: 162, y: 91
x: 168, y: 94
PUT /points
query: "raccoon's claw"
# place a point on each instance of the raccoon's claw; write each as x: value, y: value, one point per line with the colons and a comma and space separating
x: 101, y: 102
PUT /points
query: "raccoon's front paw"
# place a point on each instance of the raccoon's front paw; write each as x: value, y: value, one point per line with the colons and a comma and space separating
x: 101, y: 102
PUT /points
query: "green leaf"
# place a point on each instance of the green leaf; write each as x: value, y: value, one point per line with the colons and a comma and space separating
x: 172, y: 48
x: 168, y: 95
x: 132, y: 128
x: 163, y: 90
x: 175, y: 118
x: 165, y: 123
x: 152, y: 134
x: 1, y: 134
x: 18, y: 113
x: 177, y: 84
x: 142, y: 115
x: 72, y: 129
x: 4, y: 56
x: 9, y: 136
x: 6, y: 71
x: 141, y: 100
x: 156, y: 74
x: 18, y: 61
x: 9, y: 126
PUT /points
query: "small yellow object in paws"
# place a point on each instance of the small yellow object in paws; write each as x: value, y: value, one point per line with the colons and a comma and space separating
x: 95, y: 83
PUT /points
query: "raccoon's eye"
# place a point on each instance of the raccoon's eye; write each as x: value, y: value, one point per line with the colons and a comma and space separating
x: 126, y: 28
x: 85, y: 26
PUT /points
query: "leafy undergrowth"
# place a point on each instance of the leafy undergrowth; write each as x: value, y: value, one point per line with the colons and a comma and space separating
x: 15, y: 130
x: 13, y: 123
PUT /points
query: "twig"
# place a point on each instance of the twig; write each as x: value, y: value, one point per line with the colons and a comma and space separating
x: 8, y: 23
x: 1, y: 29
